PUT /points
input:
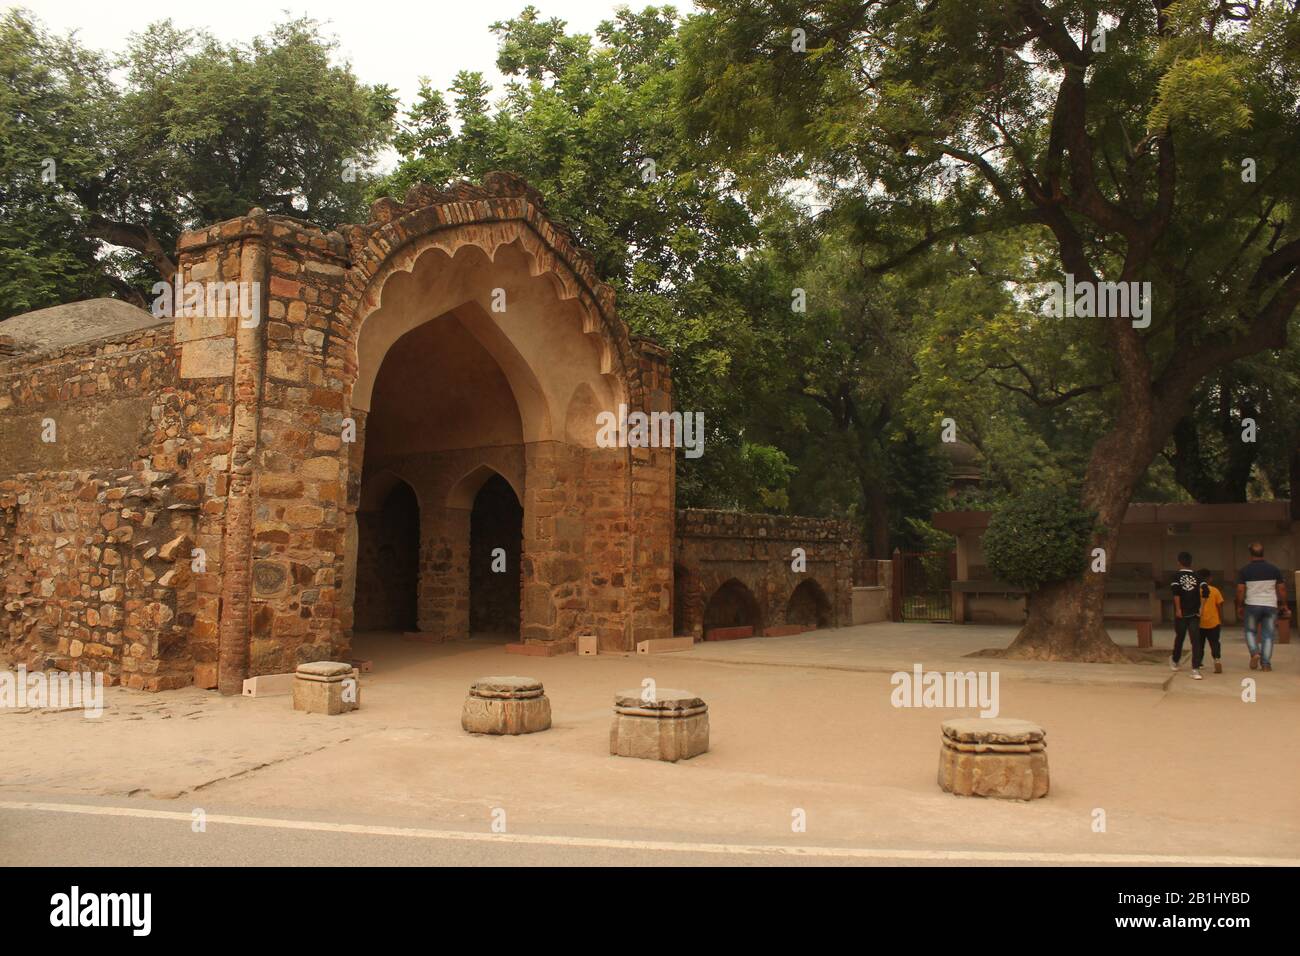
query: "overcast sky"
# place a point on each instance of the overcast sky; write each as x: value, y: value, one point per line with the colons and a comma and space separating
x: 387, y: 41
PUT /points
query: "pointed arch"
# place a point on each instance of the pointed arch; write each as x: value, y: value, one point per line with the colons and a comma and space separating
x: 466, y: 488
x: 447, y: 233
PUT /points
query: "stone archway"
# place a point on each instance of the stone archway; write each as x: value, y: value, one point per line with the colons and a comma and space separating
x: 478, y: 276
x: 496, y: 346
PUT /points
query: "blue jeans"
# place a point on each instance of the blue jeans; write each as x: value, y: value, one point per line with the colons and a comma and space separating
x: 1261, y: 630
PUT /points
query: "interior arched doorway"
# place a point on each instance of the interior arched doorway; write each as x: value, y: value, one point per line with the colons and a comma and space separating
x: 496, y: 529
x: 443, y: 415
x: 388, y: 558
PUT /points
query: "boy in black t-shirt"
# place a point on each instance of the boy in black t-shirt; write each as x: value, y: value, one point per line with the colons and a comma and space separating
x: 1186, y: 589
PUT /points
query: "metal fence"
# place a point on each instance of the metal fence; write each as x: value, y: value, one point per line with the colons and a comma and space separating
x: 923, y: 585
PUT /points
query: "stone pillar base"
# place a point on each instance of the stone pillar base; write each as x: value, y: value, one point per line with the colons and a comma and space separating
x: 326, y: 687
x: 673, y: 726
x: 506, y: 705
x: 993, y: 757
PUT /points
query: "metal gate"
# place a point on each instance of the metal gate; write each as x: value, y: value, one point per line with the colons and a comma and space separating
x: 923, y: 585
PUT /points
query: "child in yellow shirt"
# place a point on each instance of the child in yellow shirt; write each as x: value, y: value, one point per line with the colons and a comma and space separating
x: 1211, y: 619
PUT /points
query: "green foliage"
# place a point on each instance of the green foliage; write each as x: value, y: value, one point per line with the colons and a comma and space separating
x: 273, y: 123
x: 1039, y: 537
x: 178, y: 131
x: 1203, y: 91
x: 995, y: 140
x: 923, y: 536
x: 49, y: 126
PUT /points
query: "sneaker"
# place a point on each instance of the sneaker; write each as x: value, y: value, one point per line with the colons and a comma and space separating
x: 1254, y: 662
x: 1266, y: 667
x: 1196, y: 675
x: 1218, y: 667
x: 1173, y: 664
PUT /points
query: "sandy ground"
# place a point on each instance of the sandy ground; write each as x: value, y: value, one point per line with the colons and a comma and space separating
x: 805, y: 723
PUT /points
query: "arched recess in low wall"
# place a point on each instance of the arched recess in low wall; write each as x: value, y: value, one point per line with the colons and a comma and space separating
x: 808, y: 606
x: 732, y: 611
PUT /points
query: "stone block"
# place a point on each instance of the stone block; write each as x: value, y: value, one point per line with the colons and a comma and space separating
x: 326, y: 687
x: 588, y: 645
x: 664, y: 645
x: 506, y: 705
x: 993, y: 757
x: 785, y: 630
x: 729, y: 633
x: 543, y: 649
x: 269, y: 685
x: 208, y: 358
x: 672, y: 726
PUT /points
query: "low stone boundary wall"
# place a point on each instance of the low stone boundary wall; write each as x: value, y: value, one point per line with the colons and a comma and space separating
x: 773, y: 573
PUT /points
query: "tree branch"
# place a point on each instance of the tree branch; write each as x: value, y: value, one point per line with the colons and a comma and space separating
x: 135, y: 237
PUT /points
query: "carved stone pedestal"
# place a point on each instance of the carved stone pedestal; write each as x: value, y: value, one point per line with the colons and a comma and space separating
x: 673, y: 726
x: 506, y: 705
x: 993, y: 757
x: 326, y: 687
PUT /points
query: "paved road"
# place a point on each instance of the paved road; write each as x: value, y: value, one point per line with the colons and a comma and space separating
x: 45, y: 831
x: 41, y: 837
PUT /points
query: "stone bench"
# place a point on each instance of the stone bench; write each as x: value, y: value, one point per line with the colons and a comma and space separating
x: 506, y: 705
x: 993, y: 757
x: 672, y: 726
x: 1141, y: 623
x: 326, y: 687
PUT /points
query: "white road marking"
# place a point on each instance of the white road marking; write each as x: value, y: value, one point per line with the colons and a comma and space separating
x: 737, y: 849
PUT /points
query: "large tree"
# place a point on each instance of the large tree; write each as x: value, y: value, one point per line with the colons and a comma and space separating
x: 1148, y: 142
x: 50, y: 127
x: 105, y: 160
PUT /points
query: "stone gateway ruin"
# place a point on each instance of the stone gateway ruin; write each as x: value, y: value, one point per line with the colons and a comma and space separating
x: 392, y: 426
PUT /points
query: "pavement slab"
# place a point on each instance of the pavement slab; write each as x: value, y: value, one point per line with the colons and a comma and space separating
x: 799, y: 730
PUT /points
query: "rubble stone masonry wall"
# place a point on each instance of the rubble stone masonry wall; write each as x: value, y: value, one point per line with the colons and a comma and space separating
x: 99, y: 525
x: 714, y: 548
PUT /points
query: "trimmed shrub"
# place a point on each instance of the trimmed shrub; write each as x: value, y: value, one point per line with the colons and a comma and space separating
x: 1038, y: 538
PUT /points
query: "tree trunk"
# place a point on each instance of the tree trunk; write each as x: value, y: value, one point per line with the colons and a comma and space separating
x: 1293, y: 468
x: 878, y: 515
x: 1065, y: 619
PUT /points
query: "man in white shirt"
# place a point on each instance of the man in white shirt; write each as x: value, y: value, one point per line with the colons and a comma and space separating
x: 1261, y: 597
